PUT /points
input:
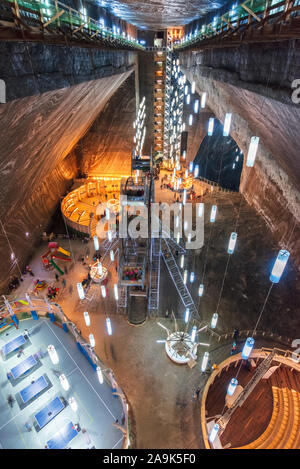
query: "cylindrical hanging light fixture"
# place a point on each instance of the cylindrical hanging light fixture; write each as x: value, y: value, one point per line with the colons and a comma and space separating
x: 204, y: 361
x: 232, y: 386
x: 108, y: 326
x: 232, y: 242
x: 247, y: 348
x: 252, y: 151
x: 279, y: 265
x: 210, y: 126
x: 194, y: 333
x: 214, y: 432
x: 87, y: 319
x: 213, y: 213
x: 96, y: 243
x: 214, y: 320
x: 92, y: 340
x: 227, y: 123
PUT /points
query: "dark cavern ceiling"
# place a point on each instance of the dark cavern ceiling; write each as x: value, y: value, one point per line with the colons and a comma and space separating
x: 159, y: 14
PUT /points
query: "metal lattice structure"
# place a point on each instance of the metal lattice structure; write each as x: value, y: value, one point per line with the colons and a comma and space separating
x: 251, y: 21
x: 56, y: 23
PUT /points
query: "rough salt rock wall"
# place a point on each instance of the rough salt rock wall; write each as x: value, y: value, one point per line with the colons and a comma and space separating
x: 272, y: 186
x: 106, y: 148
x: 35, y: 68
x: 37, y: 134
x: 266, y: 69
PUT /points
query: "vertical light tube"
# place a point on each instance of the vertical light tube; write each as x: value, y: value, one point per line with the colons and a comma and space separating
x: 200, y: 209
x: 116, y: 293
x: 211, y: 123
x: 87, y: 319
x: 103, y: 291
x: 99, y: 374
x: 108, y: 326
x: 213, y: 213
x: 194, y: 333
x: 227, y: 123
x: 204, y: 362
x: 185, y: 277
x: 214, y: 320
x: 247, y: 348
x: 80, y: 291
x: 232, y: 242
x: 252, y: 151
x: 232, y: 386
x: 279, y: 265
x: 203, y: 100
x: 96, y: 243
x: 214, y: 433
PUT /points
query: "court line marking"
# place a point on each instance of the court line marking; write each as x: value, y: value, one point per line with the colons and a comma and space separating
x: 118, y: 442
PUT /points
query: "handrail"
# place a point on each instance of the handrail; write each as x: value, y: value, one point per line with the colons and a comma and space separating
x: 55, y: 13
x: 248, y: 12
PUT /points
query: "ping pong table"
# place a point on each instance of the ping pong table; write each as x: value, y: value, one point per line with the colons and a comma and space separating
x: 23, y: 367
x: 63, y: 437
x: 50, y: 411
x: 33, y: 389
x: 13, y: 345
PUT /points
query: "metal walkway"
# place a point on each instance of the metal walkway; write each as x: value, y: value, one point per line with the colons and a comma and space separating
x: 259, y: 373
x: 174, y: 245
x: 107, y: 245
x: 176, y: 276
x: 153, y: 300
x: 53, y: 22
x: 249, y: 22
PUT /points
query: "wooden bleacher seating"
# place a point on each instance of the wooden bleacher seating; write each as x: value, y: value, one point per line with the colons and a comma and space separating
x: 283, y: 431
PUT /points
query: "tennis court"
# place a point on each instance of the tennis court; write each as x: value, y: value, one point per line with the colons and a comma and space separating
x: 41, y: 415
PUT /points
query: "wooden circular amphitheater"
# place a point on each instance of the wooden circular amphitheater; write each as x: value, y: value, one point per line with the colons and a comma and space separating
x: 268, y: 417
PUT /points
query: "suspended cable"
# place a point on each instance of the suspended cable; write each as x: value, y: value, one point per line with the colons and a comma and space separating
x: 10, y: 247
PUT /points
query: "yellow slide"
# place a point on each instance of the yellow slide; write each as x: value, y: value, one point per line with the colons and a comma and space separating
x: 63, y: 251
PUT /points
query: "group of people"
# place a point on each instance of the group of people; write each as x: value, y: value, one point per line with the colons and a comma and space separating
x: 133, y: 274
x: 52, y: 292
x: 14, y: 283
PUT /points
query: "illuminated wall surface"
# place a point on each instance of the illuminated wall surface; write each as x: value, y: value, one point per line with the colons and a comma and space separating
x: 220, y: 159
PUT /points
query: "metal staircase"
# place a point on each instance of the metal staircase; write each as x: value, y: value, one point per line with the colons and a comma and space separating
x: 122, y: 301
x: 176, y: 276
x: 107, y: 245
x: 259, y: 373
x: 174, y: 245
x: 153, y: 300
